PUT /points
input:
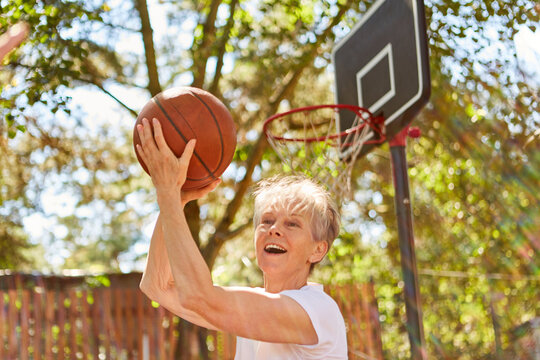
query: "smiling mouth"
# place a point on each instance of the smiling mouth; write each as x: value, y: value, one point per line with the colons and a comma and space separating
x: 274, y: 249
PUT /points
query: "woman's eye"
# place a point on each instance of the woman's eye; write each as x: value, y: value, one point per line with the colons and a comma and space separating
x: 294, y: 224
x: 267, y: 221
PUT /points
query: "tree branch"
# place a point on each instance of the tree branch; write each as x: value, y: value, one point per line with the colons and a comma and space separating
x: 221, y: 48
x: 233, y: 233
x: 205, y: 47
x: 149, y: 50
x: 131, y: 111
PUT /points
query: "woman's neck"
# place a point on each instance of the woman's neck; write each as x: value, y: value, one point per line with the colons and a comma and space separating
x: 276, y: 286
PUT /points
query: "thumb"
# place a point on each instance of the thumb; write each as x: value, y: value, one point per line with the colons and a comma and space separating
x: 190, y: 195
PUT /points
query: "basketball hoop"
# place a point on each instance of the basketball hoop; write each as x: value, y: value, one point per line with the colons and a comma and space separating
x: 309, y: 140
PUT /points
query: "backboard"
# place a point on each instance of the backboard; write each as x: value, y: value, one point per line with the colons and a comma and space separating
x: 383, y: 65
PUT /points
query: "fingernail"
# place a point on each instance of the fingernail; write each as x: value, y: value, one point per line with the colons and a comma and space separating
x: 155, y: 121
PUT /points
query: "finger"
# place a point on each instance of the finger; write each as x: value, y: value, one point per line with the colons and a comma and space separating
x: 207, y: 189
x: 140, y: 131
x: 141, y: 152
x: 159, y: 138
x: 143, y: 156
x: 188, y: 152
x: 213, y: 185
x: 194, y: 194
x: 145, y: 134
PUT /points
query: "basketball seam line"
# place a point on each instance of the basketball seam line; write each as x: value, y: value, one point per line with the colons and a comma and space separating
x: 184, y: 138
x: 217, y: 127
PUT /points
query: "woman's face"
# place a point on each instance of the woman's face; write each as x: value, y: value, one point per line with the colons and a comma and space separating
x: 284, y: 244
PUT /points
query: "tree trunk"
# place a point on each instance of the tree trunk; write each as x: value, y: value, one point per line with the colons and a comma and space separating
x: 496, y: 327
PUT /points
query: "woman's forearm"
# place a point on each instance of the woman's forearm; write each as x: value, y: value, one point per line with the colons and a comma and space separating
x: 191, y: 275
x: 157, y: 281
x: 157, y: 275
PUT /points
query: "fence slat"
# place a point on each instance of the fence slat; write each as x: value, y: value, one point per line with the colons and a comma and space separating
x: 351, y: 296
x: 161, y: 333
x: 345, y: 304
x: 151, y: 320
x: 374, y: 316
x: 25, y: 320
x: 213, y: 335
x: 61, y: 309
x: 38, y: 320
x: 107, y: 315
x: 364, y: 313
x: 140, y: 325
x: 13, y: 347
x: 49, y: 323
x: 118, y: 323
x: 129, y: 315
x: 97, y: 322
x: 171, y: 337
x: 85, y: 330
x: 2, y: 325
x: 72, y: 323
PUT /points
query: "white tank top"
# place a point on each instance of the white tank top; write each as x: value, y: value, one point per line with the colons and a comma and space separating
x: 327, y: 322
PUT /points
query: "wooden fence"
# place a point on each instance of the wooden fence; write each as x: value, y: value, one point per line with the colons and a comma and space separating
x: 58, y: 317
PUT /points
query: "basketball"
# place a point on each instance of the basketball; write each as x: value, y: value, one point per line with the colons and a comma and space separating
x: 187, y: 113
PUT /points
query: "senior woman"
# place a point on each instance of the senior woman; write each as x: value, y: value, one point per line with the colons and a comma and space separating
x: 295, y: 224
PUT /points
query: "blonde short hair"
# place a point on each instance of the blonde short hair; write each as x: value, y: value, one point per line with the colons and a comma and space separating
x: 300, y: 194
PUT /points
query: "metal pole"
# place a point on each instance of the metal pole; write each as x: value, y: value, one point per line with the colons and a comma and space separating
x: 415, y: 327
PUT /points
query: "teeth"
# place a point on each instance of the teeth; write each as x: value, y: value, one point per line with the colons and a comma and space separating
x: 274, y: 248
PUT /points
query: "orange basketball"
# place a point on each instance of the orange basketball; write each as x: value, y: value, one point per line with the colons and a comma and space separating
x: 187, y: 113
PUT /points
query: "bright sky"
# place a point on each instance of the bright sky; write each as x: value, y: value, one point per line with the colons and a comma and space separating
x: 528, y: 51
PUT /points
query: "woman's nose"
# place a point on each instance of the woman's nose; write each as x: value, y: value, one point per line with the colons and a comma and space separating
x: 274, y: 230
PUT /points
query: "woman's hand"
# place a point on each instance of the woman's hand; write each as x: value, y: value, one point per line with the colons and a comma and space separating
x: 168, y: 172
x: 194, y: 194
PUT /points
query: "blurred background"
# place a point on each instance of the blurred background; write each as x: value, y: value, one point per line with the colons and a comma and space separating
x: 74, y: 200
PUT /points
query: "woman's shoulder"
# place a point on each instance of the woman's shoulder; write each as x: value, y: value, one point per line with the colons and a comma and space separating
x: 313, y: 295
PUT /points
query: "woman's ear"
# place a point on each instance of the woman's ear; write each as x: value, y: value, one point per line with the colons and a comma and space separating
x: 320, y: 249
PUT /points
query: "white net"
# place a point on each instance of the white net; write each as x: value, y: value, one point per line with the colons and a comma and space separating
x: 311, y: 142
